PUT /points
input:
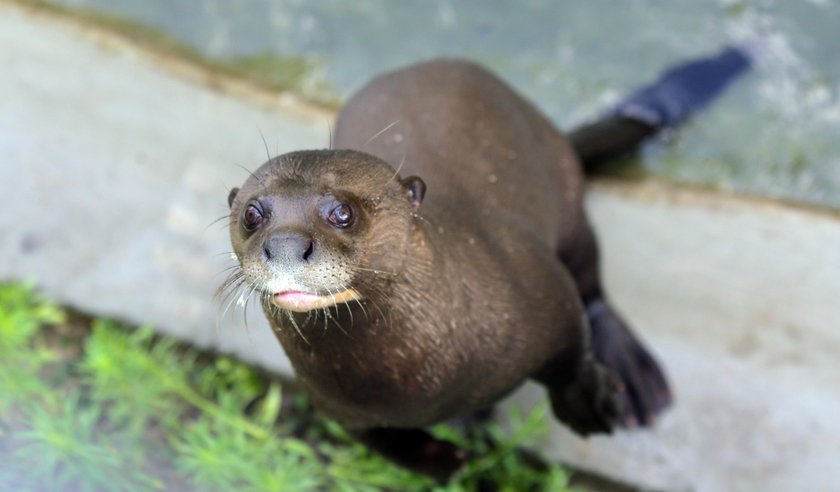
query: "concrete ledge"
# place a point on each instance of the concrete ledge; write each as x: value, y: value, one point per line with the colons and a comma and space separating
x: 114, y: 169
x: 739, y: 298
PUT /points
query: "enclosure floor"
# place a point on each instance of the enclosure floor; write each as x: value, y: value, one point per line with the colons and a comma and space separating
x: 116, y: 163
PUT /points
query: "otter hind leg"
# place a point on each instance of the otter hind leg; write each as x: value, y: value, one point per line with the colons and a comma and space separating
x: 416, y: 450
x: 646, y: 392
x: 586, y: 398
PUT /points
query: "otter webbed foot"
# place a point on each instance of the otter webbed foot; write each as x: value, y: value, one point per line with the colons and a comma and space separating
x: 415, y: 450
x: 590, y: 403
x: 646, y: 392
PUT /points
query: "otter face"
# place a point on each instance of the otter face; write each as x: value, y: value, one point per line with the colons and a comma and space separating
x: 308, y: 228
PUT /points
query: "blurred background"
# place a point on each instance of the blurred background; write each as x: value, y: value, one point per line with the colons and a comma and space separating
x: 124, y: 123
x: 573, y: 59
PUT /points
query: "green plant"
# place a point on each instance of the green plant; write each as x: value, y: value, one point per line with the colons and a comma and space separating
x: 138, y: 412
x: 52, y: 437
x: 499, y: 458
x: 143, y: 377
x: 215, y: 457
x: 22, y: 314
x: 65, y: 447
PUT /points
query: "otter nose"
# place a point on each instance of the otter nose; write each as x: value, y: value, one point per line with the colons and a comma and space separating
x: 289, y: 248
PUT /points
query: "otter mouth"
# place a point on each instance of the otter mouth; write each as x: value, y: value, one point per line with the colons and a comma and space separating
x: 302, y: 302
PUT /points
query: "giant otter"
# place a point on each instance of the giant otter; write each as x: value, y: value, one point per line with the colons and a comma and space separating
x: 433, y: 261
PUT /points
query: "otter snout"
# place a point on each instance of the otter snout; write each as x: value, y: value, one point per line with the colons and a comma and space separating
x: 288, y: 248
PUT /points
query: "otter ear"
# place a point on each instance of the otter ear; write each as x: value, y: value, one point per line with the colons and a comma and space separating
x: 415, y: 188
x: 232, y: 196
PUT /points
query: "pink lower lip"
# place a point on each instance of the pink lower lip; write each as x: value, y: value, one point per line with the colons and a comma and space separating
x: 296, y: 297
x: 300, y: 301
x: 304, y: 301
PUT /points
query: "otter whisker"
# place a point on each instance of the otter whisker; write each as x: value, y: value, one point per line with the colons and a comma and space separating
x: 291, y: 318
x: 349, y: 310
x: 233, y: 280
x: 376, y: 304
x: 234, y: 266
x: 245, y: 308
x: 230, y: 280
x: 235, y: 274
x: 265, y: 144
x: 222, y: 294
x: 233, y: 295
x: 211, y: 224
x: 232, y: 256
x: 229, y: 269
x: 335, y: 305
x: 226, y: 301
x: 265, y: 299
x: 397, y: 172
x: 230, y: 297
x: 249, y: 171
x: 383, y: 295
x: 326, y: 316
x: 226, y: 295
x: 387, y: 127
x: 326, y: 311
x: 231, y: 288
x: 362, y: 307
x: 372, y: 270
x: 341, y: 328
x: 424, y: 219
x: 313, y: 314
x: 337, y: 313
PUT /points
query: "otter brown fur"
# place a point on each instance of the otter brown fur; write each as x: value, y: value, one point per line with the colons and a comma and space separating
x: 399, y: 308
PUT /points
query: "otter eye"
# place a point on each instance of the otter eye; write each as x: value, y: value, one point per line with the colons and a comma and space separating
x: 252, y: 218
x: 341, y: 216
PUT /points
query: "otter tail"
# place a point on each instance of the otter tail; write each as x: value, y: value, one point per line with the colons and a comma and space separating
x: 680, y: 92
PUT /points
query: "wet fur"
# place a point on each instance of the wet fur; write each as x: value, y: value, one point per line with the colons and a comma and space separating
x: 482, y: 286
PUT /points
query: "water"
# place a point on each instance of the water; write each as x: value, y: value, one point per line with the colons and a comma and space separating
x: 773, y: 134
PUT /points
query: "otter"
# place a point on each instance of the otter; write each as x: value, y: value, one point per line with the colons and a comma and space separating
x: 433, y: 259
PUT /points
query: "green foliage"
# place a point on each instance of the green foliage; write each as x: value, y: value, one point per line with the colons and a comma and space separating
x: 139, y: 412
x: 22, y: 313
x: 66, y: 448
x: 138, y: 379
x: 53, y: 439
x: 214, y: 457
x: 504, y: 464
x: 352, y: 467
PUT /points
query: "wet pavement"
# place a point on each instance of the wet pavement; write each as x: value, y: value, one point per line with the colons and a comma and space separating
x: 576, y: 59
x: 116, y: 163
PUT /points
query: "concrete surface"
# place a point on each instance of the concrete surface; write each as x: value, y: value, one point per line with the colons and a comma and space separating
x: 741, y: 300
x: 116, y: 162
x: 113, y: 173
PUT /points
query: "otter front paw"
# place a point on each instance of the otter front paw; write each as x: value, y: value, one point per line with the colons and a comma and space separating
x: 415, y: 450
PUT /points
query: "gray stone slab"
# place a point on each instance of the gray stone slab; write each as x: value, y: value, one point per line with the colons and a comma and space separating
x: 113, y: 173
x: 740, y: 299
x: 113, y: 170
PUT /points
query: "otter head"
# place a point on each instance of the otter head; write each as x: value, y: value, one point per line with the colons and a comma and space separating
x: 312, y: 229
